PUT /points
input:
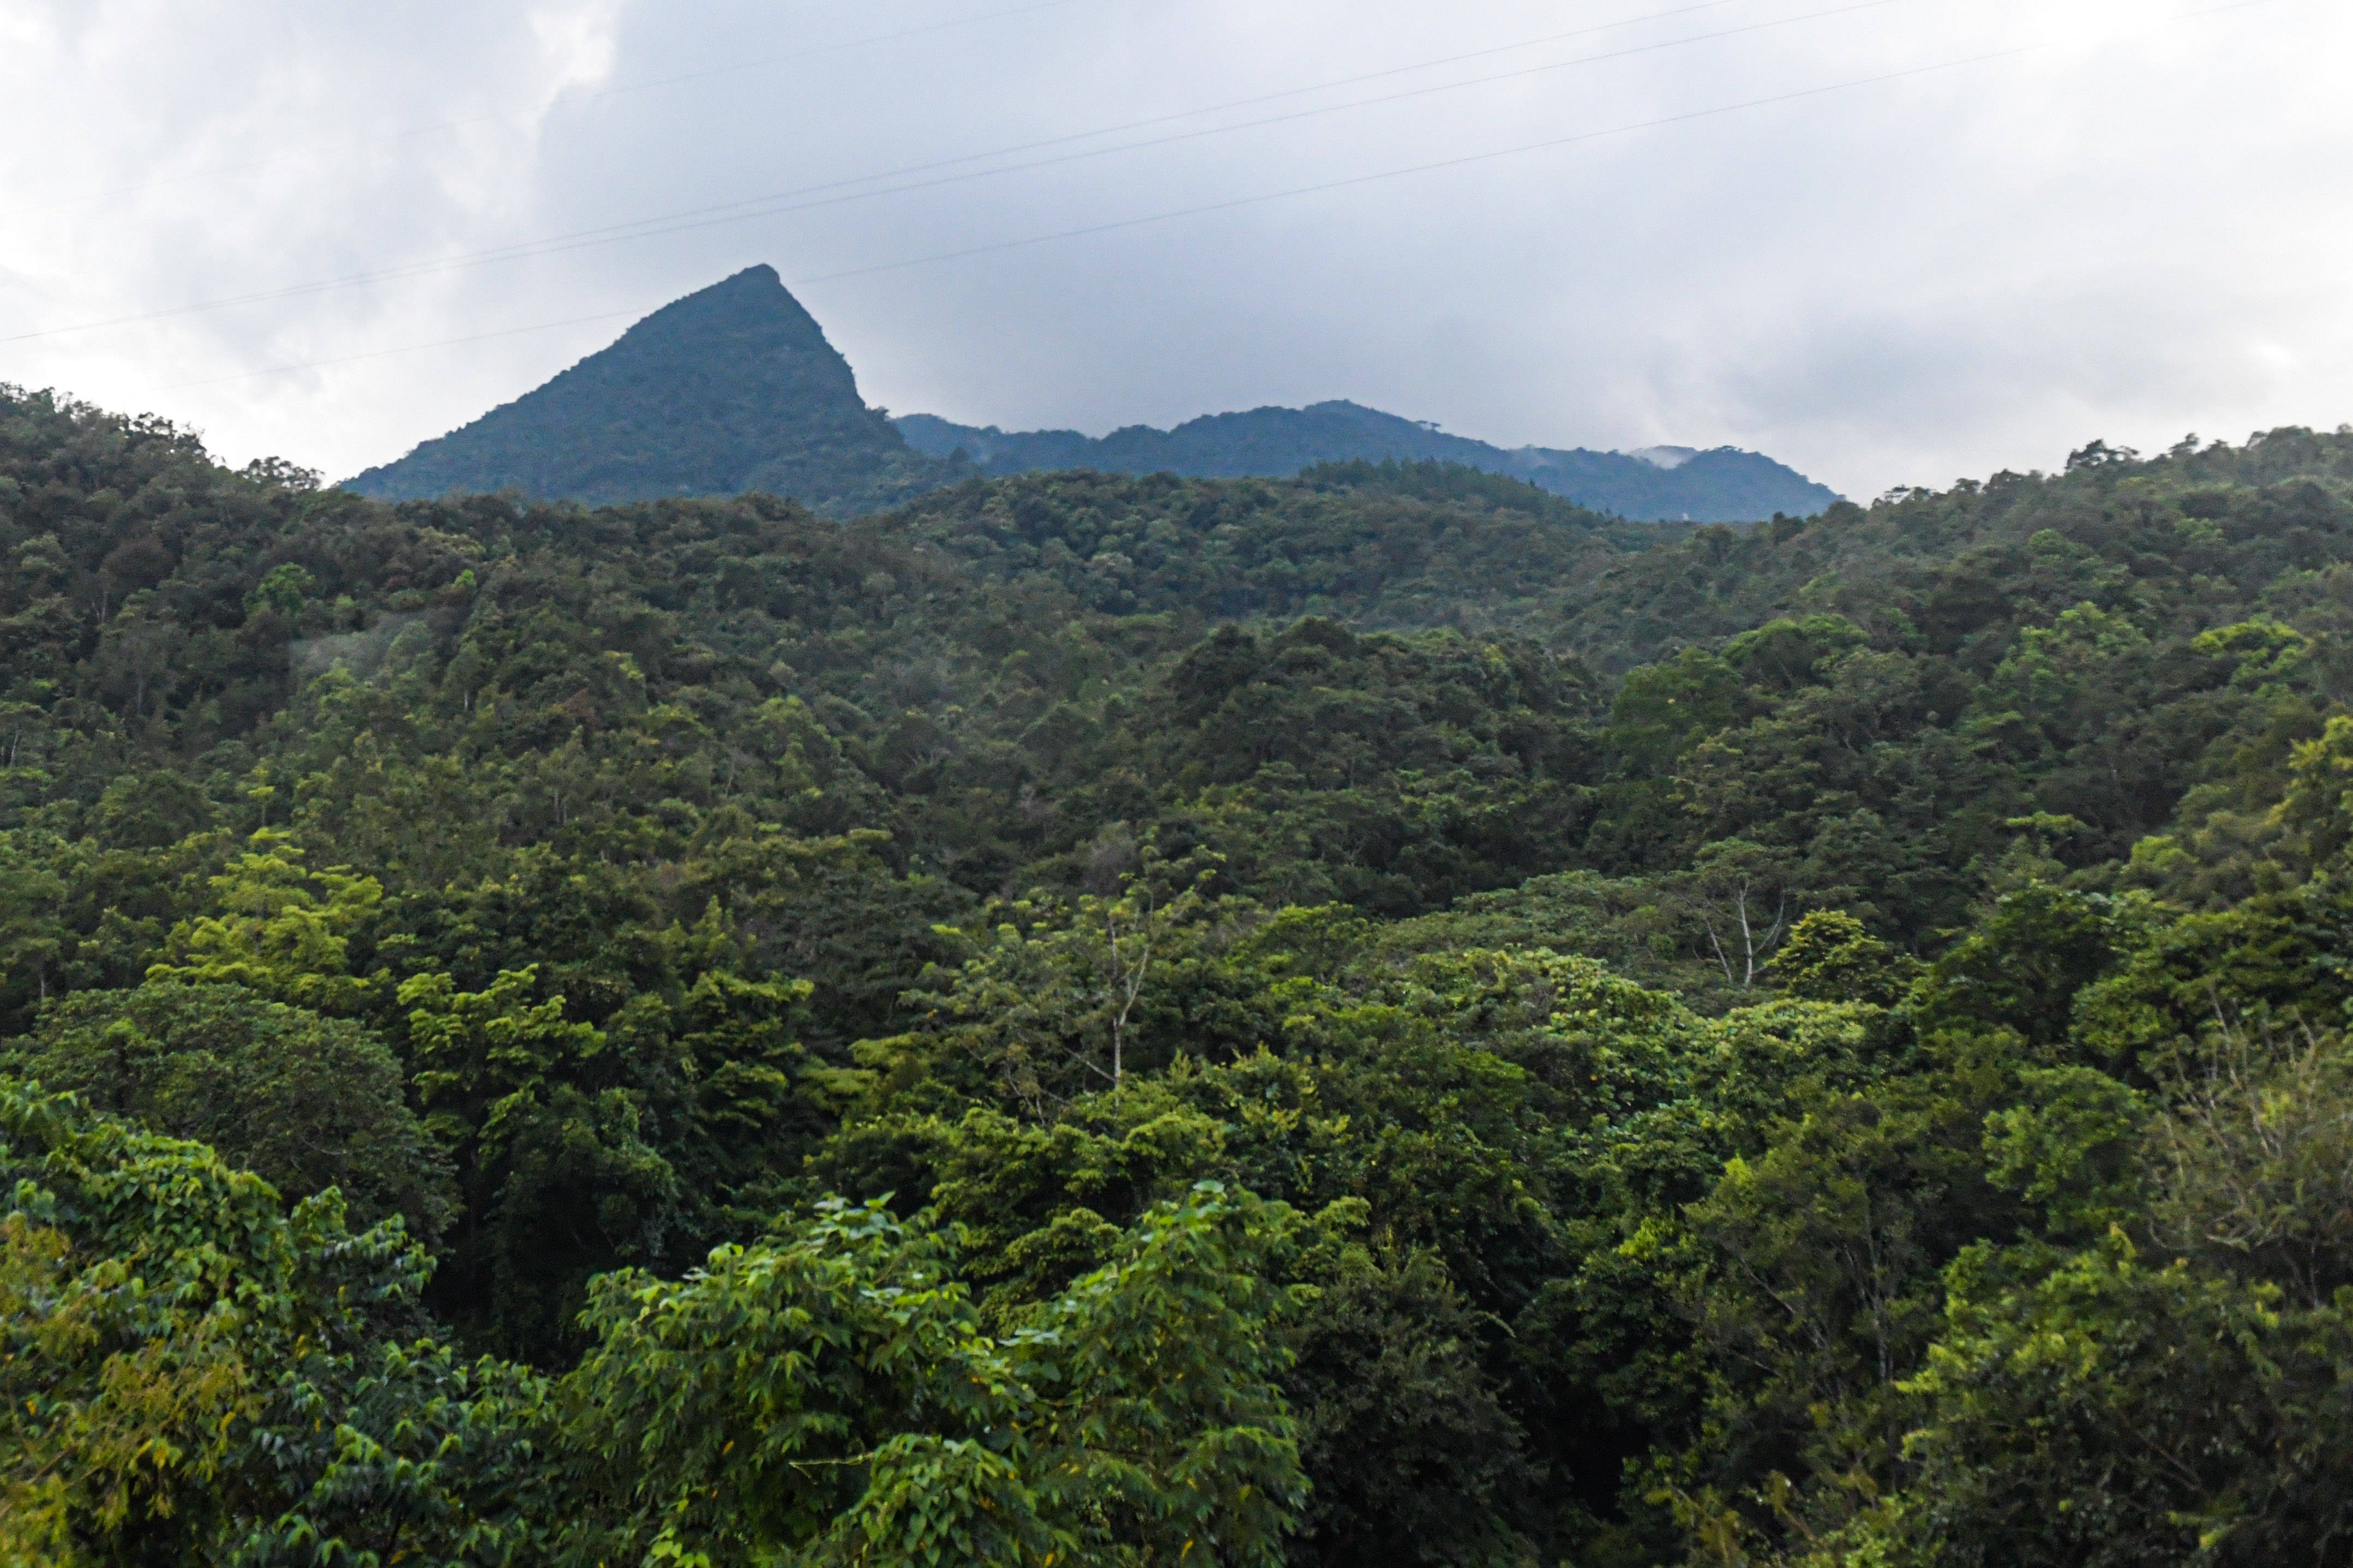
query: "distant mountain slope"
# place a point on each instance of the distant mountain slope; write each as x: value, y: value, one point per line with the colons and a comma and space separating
x: 1663, y: 483
x: 735, y: 388
x: 730, y: 389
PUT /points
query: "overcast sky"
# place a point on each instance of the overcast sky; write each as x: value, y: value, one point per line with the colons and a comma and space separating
x: 1891, y: 243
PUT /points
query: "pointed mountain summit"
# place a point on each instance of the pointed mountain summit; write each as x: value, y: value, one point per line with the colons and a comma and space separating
x: 735, y: 388
x: 730, y: 389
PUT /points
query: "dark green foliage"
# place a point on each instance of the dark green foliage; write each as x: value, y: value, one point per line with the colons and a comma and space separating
x: 305, y: 1102
x: 1416, y: 1459
x: 1380, y: 547
x: 2021, y: 967
x: 1375, y: 1018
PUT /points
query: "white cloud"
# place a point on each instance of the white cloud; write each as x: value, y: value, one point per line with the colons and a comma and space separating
x: 2134, y: 229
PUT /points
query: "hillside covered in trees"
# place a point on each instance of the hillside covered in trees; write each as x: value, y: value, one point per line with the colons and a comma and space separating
x: 1379, y: 1017
x: 732, y: 388
x: 1725, y: 485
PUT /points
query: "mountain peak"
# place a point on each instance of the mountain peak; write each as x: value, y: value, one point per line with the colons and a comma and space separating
x: 735, y: 388
x: 732, y: 387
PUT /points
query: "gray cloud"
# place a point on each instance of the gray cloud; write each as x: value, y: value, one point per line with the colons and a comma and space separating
x: 2133, y: 230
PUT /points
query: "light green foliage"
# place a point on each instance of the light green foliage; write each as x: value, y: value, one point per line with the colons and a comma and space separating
x: 832, y: 1392
x: 283, y: 589
x: 2317, y: 810
x: 2254, y: 1162
x: 2269, y: 652
x: 280, y: 929
x: 1819, y: 1287
x: 1830, y: 956
x: 1789, y: 654
x: 193, y: 1373
x: 1440, y: 1116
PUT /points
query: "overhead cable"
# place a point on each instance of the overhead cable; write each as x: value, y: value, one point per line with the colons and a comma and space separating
x: 1409, y: 171
x: 766, y: 206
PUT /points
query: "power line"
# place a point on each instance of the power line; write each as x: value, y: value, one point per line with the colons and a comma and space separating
x: 1146, y: 123
x: 1467, y: 159
x: 700, y: 219
x: 597, y: 97
x: 1549, y: 144
x: 558, y: 246
x: 675, y: 221
x: 411, y: 349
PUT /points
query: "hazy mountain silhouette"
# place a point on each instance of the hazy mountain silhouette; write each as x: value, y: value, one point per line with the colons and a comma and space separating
x: 735, y: 388
x: 730, y: 389
x: 1725, y: 485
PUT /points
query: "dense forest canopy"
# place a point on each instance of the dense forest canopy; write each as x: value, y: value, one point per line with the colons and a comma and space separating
x: 1373, y: 1018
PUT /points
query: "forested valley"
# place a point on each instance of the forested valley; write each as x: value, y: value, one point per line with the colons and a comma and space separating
x: 1376, y: 1018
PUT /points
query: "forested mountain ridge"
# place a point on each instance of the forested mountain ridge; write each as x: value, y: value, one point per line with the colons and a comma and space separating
x: 735, y: 388
x: 732, y: 388
x: 1375, y: 1018
x: 1391, y: 546
x: 1725, y: 485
